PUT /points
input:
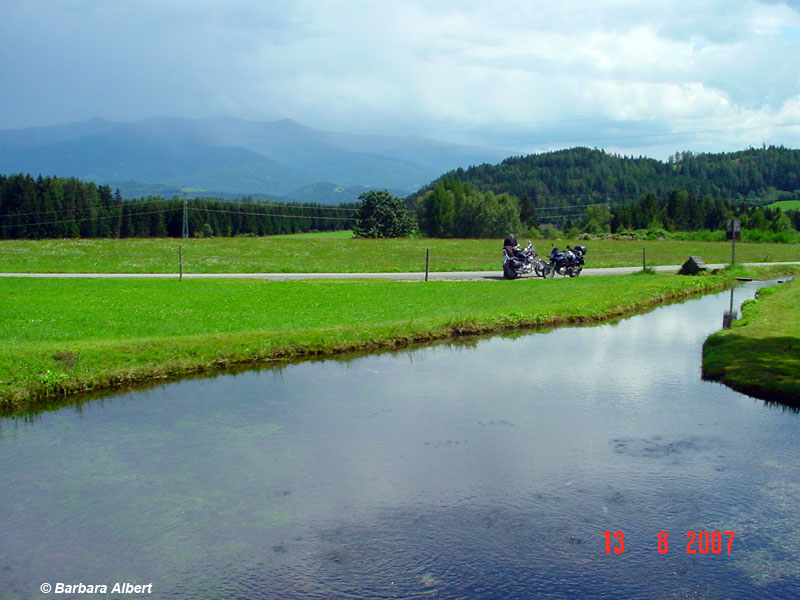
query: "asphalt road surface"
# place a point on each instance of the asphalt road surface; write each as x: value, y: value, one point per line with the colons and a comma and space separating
x: 433, y: 276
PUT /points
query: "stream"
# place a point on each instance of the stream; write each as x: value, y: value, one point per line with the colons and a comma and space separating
x: 574, y: 463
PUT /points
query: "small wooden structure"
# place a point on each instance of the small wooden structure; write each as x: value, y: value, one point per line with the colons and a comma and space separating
x: 693, y: 266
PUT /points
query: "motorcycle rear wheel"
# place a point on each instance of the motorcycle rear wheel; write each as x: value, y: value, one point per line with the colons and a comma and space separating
x: 509, y: 272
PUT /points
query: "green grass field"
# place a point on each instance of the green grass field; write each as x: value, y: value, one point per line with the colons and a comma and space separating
x: 786, y: 205
x: 66, y: 335
x: 760, y: 354
x: 340, y: 253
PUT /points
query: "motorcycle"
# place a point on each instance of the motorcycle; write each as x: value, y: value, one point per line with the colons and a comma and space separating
x: 514, y: 266
x: 567, y: 263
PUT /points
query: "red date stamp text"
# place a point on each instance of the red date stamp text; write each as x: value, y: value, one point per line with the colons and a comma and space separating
x: 697, y: 542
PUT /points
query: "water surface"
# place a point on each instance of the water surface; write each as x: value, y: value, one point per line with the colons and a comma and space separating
x: 484, y: 470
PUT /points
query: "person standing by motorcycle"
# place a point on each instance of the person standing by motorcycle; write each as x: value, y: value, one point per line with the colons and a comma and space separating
x: 511, y: 247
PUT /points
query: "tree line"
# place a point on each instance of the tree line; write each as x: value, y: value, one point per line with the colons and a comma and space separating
x: 453, y: 208
x: 486, y: 201
x: 681, y: 211
x: 55, y: 207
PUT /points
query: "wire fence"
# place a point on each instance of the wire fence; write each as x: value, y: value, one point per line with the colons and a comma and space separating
x: 243, y: 256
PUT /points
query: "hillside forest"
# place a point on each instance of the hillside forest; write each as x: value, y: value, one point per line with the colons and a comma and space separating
x: 590, y: 191
x: 53, y: 207
x: 578, y: 190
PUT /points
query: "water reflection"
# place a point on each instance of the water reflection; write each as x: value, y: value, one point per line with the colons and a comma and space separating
x: 482, y: 471
x: 730, y: 315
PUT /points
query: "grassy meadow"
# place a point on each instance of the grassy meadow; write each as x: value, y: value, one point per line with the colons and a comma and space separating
x: 786, y: 204
x: 341, y: 253
x: 760, y: 354
x: 60, y: 336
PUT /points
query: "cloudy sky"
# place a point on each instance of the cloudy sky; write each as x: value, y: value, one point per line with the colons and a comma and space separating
x: 633, y: 77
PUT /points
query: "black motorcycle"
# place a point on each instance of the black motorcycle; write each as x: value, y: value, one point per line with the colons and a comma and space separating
x: 566, y: 263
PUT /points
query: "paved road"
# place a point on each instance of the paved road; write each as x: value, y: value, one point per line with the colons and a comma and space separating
x: 437, y: 276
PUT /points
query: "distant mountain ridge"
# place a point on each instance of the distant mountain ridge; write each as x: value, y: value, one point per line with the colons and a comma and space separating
x: 233, y: 157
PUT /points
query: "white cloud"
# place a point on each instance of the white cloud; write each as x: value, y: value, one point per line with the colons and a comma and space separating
x: 507, y: 72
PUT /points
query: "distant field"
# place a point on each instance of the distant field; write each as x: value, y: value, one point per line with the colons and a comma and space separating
x: 340, y: 253
x: 786, y: 205
x: 322, y: 235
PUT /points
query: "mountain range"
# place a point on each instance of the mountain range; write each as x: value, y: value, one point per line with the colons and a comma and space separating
x: 233, y: 157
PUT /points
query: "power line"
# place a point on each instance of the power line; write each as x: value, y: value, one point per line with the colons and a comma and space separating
x: 126, y: 203
x: 569, y: 206
x: 183, y: 207
x: 119, y: 216
x: 69, y: 210
x: 556, y: 217
x: 255, y: 214
x: 589, y: 194
x: 166, y: 210
x: 287, y: 205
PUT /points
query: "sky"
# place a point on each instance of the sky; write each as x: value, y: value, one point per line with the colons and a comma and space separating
x: 632, y: 77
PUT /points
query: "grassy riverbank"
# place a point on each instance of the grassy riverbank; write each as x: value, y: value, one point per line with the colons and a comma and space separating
x: 63, y: 336
x: 340, y: 253
x: 760, y: 354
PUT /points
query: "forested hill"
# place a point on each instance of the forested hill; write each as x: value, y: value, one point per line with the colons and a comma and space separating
x: 571, y: 177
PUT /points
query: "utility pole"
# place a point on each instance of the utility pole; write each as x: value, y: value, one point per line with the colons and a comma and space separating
x: 733, y: 233
x: 185, y: 218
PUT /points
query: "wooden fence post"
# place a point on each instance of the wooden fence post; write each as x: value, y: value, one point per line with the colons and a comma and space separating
x: 427, y: 261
